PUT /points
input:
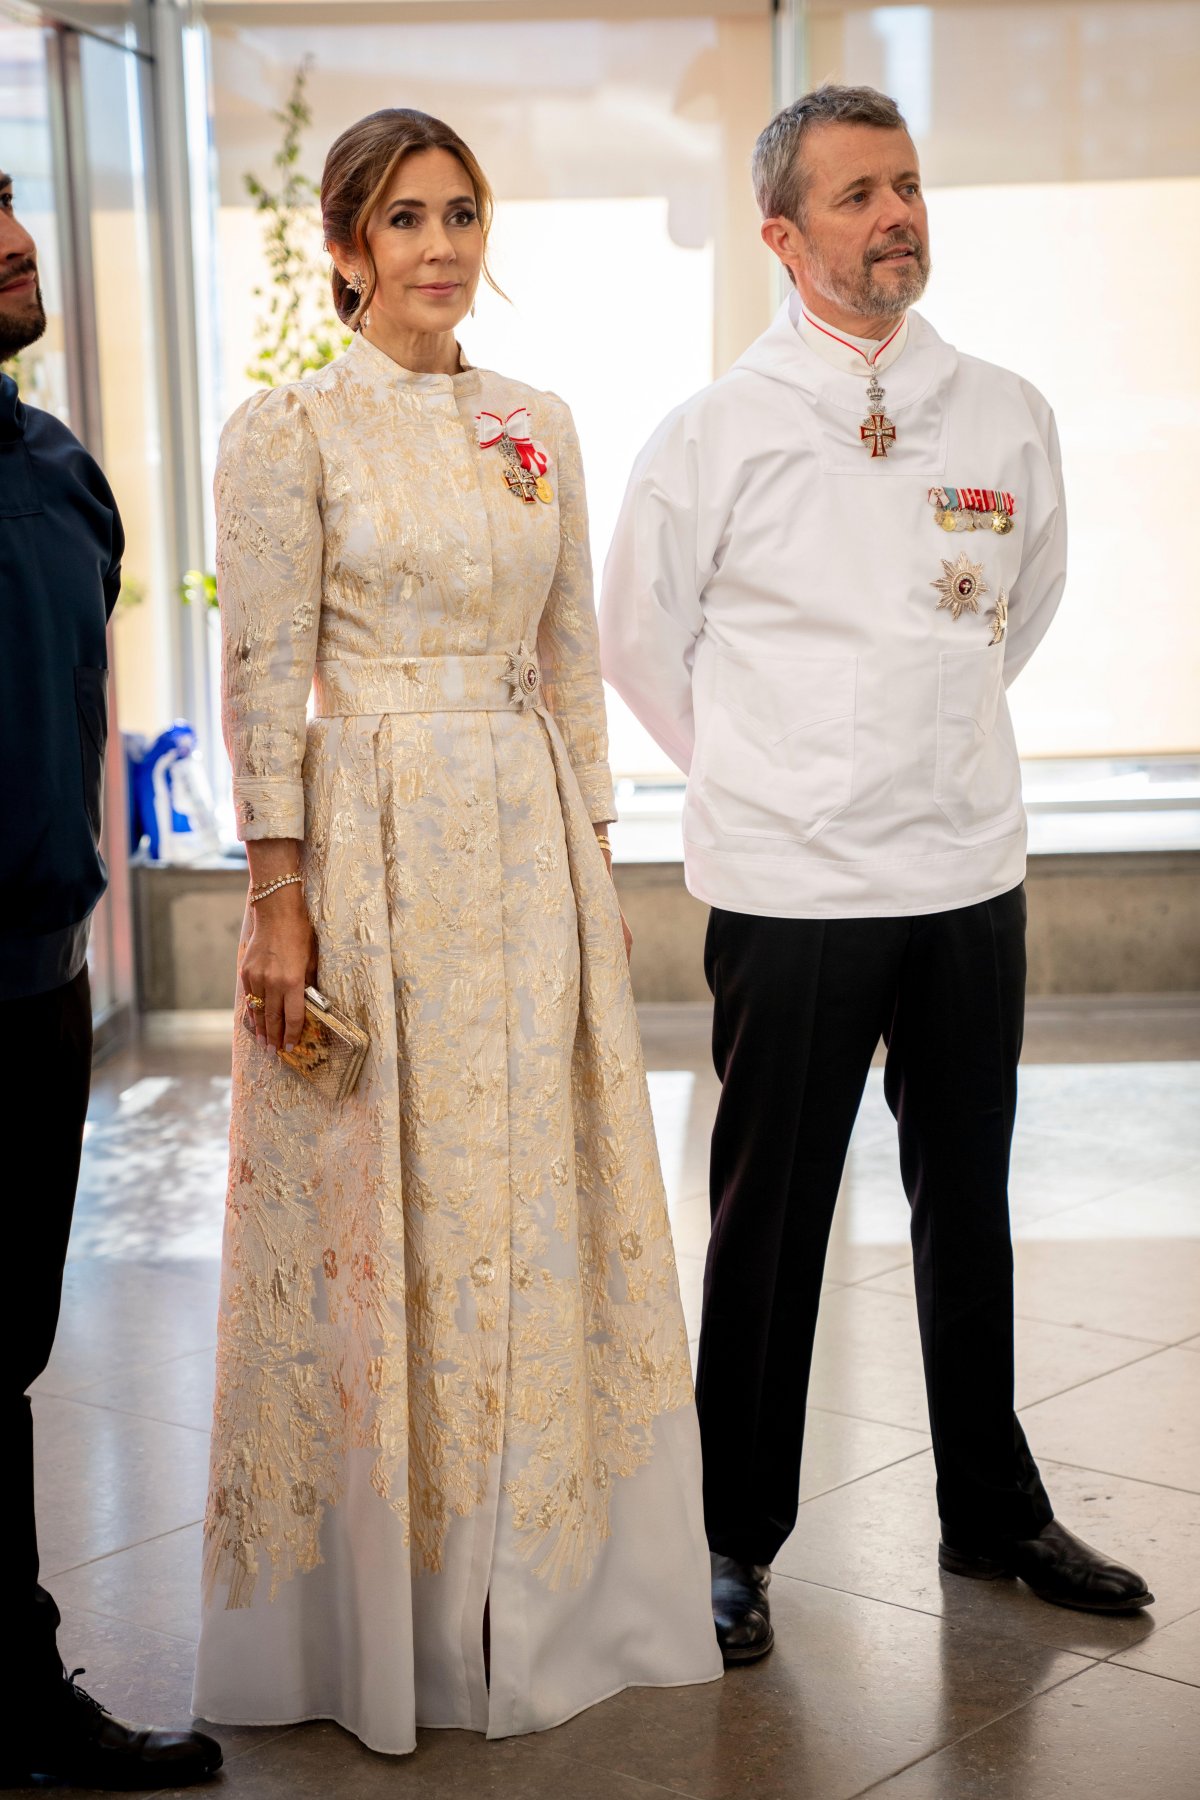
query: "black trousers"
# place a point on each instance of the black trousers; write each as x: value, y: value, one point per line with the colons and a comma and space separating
x: 800, y: 1005
x: 45, y: 1074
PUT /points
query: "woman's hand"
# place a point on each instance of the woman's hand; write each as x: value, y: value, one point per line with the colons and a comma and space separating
x: 625, y: 931
x: 278, y: 963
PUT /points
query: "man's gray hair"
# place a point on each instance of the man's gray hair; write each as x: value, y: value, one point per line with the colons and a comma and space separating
x: 777, y: 169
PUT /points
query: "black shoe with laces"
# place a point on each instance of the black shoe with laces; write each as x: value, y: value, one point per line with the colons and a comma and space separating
x: 73, y: 1739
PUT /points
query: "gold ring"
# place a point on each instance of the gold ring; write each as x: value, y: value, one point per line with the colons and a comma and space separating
x: 256, y: 1002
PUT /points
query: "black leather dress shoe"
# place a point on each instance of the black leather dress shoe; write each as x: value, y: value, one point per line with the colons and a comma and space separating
x: 741, y: 1610
x: 1059, y: 1567
x: 74, y: 1739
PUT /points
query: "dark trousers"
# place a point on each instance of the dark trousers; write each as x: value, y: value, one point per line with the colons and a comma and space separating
x: 800, y: 1005
x: 45, y: 1073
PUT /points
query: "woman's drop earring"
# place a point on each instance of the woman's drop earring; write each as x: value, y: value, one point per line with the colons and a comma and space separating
x: 356, y: 284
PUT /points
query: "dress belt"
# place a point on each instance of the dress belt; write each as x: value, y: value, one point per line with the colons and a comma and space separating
x: 501, y: 681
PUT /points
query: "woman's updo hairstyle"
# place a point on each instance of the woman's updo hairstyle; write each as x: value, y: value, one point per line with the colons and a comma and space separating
x: 358, y: 172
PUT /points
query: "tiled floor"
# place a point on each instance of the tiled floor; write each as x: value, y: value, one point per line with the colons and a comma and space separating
x: 888, y: 1678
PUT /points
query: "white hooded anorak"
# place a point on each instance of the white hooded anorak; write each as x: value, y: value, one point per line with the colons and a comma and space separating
x: 770, y: 612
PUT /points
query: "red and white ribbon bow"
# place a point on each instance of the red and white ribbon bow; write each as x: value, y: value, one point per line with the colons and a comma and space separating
x: 492, y: 428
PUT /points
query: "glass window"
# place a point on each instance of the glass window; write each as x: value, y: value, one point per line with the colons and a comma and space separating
x: 70, y: 112
x: 626, y: 233
x: 123, y: 289
x: 1060, y: 145
x: 26, y: 135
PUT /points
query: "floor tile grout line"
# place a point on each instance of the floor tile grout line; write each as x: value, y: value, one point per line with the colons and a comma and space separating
x: 878, y: 1275
x: 1121, y: 1337
x: 651, y: 1787
x: 1168, y: 1487
x: 1027, y: 1406
x: 1156, y: 1674
x: 99, y: 1612
x: 1152, y: 1345
x: 850, y: 1481
x: 126, y: 1412
x: 1114, y: 1193
x: 1031, y: 1318
x: 1073, y: 1387
x: 909, y: 1430
x: 148, y: 1419
x: 966, y: 1736
x: 247, y: 1749
x: 278, y: 1733
x: 973, y: 1624
x: 161, y: 1362
x: 1057, y: 1212
x: 156, y: 1537
x: 837, y: 1412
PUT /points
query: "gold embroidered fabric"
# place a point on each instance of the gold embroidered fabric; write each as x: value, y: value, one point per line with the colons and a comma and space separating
x: 470, y: 1259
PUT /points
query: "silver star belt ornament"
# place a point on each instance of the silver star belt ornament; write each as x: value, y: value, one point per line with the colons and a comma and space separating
x: 876, y: 429
x: 524, y: 678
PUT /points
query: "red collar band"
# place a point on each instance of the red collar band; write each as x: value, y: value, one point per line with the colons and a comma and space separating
x: 869, y: 360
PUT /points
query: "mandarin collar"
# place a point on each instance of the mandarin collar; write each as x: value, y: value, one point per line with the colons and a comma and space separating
x: 926, y: 362
x: 841, y: 349
x: 381, y: 366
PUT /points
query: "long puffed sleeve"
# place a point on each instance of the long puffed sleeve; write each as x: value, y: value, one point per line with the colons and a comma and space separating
x: 1039, y: 587
x: 269, y: 556
x: 568, y: 645
x: 650, y: 611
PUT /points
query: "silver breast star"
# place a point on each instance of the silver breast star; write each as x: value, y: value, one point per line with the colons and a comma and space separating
x: 960, y: 586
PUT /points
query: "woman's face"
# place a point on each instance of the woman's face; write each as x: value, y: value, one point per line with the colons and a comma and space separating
x: 427, y: 244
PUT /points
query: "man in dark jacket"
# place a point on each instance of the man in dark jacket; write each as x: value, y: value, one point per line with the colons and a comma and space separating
x: 60, y: 572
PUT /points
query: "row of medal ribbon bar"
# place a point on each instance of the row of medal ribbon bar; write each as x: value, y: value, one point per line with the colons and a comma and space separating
x: 972, y: 509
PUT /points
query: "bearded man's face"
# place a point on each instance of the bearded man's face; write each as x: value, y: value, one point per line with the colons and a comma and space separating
x: 861, y: 246
x: 22, y: 313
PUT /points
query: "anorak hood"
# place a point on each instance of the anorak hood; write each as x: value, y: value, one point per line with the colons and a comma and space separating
x: 781, y: 354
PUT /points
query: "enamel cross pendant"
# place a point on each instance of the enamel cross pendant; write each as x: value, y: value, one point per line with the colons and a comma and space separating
x: 524, y: 461
x: 876, y: 429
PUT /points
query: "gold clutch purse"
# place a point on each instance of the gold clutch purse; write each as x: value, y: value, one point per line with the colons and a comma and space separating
x: 331, y: 1050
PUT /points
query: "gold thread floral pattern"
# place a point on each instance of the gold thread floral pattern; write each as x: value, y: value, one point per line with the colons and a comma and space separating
x: 466, y: 1270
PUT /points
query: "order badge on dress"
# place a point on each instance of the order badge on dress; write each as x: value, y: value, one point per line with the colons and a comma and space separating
x: 525, y: 461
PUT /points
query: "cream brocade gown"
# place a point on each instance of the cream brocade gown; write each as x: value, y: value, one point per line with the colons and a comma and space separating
x: 452, y: 1365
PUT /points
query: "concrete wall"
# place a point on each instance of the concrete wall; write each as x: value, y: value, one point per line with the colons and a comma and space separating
x: 1116, y: 924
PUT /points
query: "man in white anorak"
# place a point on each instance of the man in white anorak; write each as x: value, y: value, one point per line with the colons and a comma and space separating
x: 828, y: 567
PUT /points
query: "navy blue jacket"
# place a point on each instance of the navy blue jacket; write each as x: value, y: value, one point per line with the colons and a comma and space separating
x: 60, y: 573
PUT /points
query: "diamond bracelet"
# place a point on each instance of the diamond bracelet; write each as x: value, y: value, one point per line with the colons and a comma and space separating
x: 273, y: 887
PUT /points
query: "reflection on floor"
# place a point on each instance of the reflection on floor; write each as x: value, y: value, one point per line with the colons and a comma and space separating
x: 888, y: 1678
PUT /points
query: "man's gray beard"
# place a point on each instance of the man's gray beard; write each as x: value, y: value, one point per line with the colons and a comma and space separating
x: 865, y: 296
x: 17, y: 334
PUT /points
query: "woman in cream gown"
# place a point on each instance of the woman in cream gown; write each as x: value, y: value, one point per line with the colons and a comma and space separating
x: 453, y: 1392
